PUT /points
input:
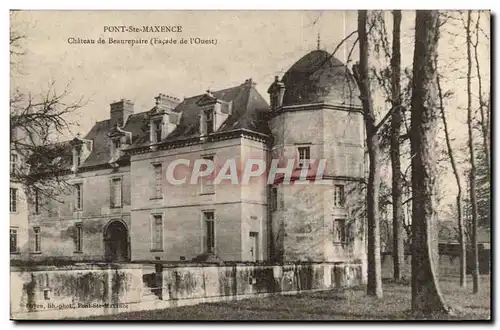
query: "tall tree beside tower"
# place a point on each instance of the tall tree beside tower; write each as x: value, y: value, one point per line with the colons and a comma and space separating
x: 472, y: 173
x: 426, y: 295
x: 374, y: 280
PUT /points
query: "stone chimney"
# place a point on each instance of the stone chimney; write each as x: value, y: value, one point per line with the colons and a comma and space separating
x: 166, y: 102
x: 120, y: 111
x: 249, y: 82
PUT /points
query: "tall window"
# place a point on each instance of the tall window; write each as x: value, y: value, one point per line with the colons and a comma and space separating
x: 157, y: 237
x: 116, y: 193
x: 209, y: 120
x: 13, y: 163
x: 339, y: 231
x: 207, y: 185
x: 78, y: 237
x: 209, y: 231
x: 78, y: 155
x: 158, y: 191
x: 157, y: 130
x: 36, y: 198
x: 13, y: 200
x: 78, y: 189
x: 274, y: 198
x: 304, y: 156
x: 37, y: 240
x: 13, y: 240
x: 338, y: 195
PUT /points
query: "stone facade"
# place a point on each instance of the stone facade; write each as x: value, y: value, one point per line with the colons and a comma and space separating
x: 43, y: 292
x: 152, y: 219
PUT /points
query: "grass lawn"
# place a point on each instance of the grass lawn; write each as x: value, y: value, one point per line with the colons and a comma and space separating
x: 350, y: 304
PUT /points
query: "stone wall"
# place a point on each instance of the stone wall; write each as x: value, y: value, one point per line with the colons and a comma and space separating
x: 43, y: 292
x: 239, y: 209
x: 57, y: 218
x: 449, y: 264
x: 50, y: 290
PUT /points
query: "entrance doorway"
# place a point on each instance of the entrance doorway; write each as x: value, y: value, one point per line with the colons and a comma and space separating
x: 116, y: 242
x: 254, y: 246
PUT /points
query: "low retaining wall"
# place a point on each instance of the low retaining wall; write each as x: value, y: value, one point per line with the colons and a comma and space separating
x: 41, y: 292
x: 448, y: 265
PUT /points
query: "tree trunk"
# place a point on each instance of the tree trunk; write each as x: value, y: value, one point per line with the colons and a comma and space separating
x: 482, y: 104
x: 374, y: 281
x: 461, y: 230
x: 397, y: 202
x: 472, y: 175
x: 426, y: 295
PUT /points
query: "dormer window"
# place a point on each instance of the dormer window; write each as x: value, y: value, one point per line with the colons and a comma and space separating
x: 157, y: 130
x: 81, y: 150
x: 118, y: 144
x: 209, y: 120
x: 276, y: 93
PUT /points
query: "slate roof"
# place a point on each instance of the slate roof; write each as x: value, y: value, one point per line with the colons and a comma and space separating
x: 249, y: 111
x: 98, y: 134
x: 50, y: 158
x: 319, y: 77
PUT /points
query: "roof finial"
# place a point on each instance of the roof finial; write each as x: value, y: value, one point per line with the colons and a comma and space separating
x: 319, y: 41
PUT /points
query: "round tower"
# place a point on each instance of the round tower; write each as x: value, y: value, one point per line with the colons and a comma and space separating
x: 316, y: 116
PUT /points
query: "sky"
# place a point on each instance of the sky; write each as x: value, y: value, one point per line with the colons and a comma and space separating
x: 257, y: 45
x: 250, y: 44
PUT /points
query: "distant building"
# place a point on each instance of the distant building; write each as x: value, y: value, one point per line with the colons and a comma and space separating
x: 122, y: 207
x: 18, y: 201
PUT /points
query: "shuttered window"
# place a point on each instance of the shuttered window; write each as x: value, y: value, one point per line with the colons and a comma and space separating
x: 158, y: 191
x: 116, y: 192
x: 157, y: 232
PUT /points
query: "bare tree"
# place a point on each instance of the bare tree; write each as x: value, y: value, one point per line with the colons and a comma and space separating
x: 461, y: 229
x: 426, y: 295
x: 483, y: 107
x: 374, y: 281
x: 472, y: 174
x: 37, y: 163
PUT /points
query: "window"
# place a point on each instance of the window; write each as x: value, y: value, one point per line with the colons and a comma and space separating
x: 304, y: 156
x: 209, y: 231
x: 13, y: 200
x: 116, y: 193
x: 13, y: 163
x: 339, y: 231
x: 117, y: 144
x: 78, y: 237
x: 338, y: 195
x: 158, y: 191
x: 78, y: 196
x: 209, y: 120
x: 13, y: 240
x: 207, y: 185
x: 157, y: 130
x: 37, y: 241
x: 37, y: 201
x: 157, y: 237
x: 274, y: 198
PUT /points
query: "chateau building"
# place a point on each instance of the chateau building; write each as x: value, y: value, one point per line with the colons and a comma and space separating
x: 123, y: 208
